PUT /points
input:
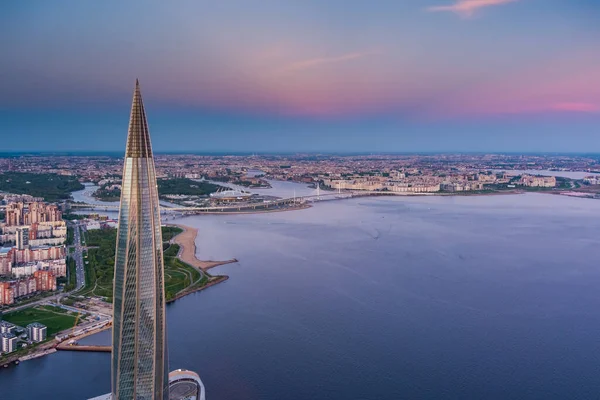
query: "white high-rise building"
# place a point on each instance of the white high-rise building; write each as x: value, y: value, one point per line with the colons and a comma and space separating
x: 9, y: 342
x: 6, y: 327
x: 37, y: 332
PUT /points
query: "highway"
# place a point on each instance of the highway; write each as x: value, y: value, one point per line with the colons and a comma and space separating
x: 78, y: 256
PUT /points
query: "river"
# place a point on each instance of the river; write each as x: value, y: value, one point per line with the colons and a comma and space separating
x: 479, y: 297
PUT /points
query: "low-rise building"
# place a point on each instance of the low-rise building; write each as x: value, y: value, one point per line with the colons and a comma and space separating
x: 91, y: 225
x: 461, y: 186
x: 537, y: 181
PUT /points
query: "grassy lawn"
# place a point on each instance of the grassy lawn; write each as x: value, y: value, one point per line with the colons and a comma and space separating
x: 56, y: 319
x: 99, y: 273
x: 178, y: 275
x: 168, y: 232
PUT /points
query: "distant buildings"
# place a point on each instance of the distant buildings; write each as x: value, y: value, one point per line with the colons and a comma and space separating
x: 229, y: 196
x: 22, y: 238
x: 460, y: 186
x: 38, y: 234
x: 57, y: 267
x: 35, y: 212
x: 40, y: 281
x: 412, y: 188
x: 38, y: 256
x: 381, y: 183
x: 12, y: 257
x: 537, y: 181
x: 9, y: 342
x: 37, y: 332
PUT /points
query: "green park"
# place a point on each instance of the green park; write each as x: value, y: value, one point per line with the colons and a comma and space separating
x: 99, y: 263
x: 56, y: 319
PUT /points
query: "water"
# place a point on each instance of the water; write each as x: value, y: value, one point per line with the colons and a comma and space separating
x: 485, y: 297
x: 283, y: 189
x: 85, y: 195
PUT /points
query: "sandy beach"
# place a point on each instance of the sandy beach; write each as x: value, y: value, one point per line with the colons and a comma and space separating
x: 187, y: 252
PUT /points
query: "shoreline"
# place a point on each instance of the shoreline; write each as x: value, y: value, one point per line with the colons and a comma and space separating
x: 187, y: 253
x: 217, y: 279
x: 186, y: 241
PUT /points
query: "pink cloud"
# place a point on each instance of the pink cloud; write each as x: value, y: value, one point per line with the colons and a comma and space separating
x: 569, y: 83
x: 467, y: 8
x: 577, y: 107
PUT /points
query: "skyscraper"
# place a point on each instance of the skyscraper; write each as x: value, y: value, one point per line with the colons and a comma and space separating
x: 139, y: 350
x: 139, y: 356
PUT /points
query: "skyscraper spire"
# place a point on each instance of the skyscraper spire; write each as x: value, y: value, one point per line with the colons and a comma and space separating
x: 138, y: 140
x: 139, y: 356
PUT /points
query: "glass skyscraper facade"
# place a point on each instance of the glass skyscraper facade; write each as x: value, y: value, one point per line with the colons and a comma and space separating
x: 139, y: 356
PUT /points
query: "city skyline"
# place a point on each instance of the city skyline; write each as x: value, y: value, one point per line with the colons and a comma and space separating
x: 434, y: 75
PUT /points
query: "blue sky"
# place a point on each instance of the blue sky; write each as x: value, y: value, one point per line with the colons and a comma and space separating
x: 411, y: 75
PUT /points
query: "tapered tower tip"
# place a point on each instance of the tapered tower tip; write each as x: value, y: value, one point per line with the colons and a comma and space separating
x: 138, y: 138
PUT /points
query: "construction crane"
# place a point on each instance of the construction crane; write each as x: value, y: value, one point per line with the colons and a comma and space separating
x: 76, y: 322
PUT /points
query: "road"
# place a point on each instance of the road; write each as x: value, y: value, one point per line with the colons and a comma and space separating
x: 78, y: 256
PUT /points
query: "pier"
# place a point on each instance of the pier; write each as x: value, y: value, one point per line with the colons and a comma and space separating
x: 76, y: 347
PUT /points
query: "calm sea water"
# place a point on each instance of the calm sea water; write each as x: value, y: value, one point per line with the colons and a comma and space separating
x: 381, y: 298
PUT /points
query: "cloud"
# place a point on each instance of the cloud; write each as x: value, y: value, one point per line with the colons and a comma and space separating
x: 467, y: 8
x: 577, y: 107
x: 315, y: 62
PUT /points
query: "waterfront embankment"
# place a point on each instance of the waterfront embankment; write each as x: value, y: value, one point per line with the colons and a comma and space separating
x: 187, y: 254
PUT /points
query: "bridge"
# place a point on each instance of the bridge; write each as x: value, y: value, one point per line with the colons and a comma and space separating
x: 269, y: 204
